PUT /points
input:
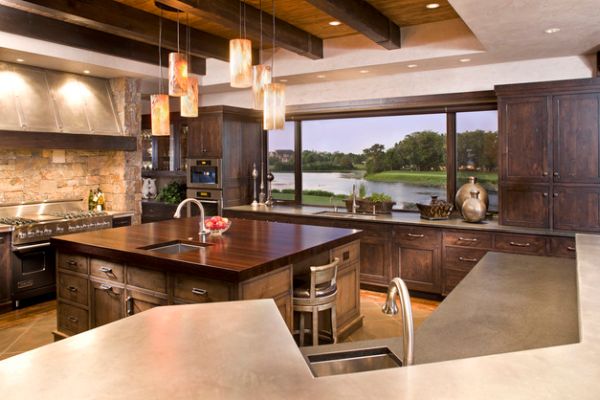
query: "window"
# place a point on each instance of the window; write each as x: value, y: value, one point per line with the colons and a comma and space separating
x: 403, y: 157
x: 281, y: 162
x: 477, y: 151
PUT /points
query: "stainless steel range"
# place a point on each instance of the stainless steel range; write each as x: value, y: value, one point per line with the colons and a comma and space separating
x: 32, y: 264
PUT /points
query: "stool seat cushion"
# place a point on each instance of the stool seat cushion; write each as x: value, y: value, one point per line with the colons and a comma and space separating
x: 302, y: 289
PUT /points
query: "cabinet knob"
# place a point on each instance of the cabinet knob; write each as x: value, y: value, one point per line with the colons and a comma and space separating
x: 554, y: 194
x: 545, y: 173
x: 129, y: 305
x: 412, y: 235
x: 555, y: 174
x: 199, y: 292
x: 545, y: 194
x: 106, y: 270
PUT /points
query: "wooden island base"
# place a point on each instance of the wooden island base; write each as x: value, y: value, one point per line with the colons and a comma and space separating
x: 94, y: 289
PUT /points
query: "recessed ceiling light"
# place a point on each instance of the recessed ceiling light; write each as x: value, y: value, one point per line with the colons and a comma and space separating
x: 433, y: 6
x: 320, y: 76
x: 464, y: 60
x: 86, y: 71
x: 283, y: 80
x: 335, y: 23
x: 364, y: 71
x: 552, y: 30
x: 20, y: 60
x: 412, y: 65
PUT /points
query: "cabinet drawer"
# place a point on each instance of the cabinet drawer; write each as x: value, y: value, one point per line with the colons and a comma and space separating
x: 452, y: 277
x: 417, y: 236
x: 347, y: 254
x: 106, y: 270
x: 199, y: 290
x: 464, y: 259
x: 73, y: 288
x: 273, y: 284
x: 468, y: 239
x: 73, y: 262
x: 147, y: 279
x: 71, y: 320
x: 512, y: 243
x: 562, y: 247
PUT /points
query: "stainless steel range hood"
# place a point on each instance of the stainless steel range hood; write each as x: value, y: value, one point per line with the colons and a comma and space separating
x: 39, y: 100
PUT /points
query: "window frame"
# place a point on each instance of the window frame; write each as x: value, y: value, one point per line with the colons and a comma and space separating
x: 449, y: 104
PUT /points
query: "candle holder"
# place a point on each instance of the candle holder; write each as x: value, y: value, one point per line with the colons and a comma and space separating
x: 254, y: 176
x: 270, y: 178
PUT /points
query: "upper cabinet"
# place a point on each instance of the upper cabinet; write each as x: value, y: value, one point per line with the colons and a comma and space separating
x: 205, y: 136
x: 550, y: 154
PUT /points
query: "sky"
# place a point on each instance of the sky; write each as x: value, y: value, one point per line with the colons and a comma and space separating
x: 352, y: 135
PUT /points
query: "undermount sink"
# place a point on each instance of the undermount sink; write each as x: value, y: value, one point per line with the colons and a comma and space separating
x: 175, y: 247
x: 342, y: 214
x: 347, y: 362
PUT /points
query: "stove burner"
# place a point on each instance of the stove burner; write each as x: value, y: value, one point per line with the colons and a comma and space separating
x: 17, y: 221
x: 80, y: 214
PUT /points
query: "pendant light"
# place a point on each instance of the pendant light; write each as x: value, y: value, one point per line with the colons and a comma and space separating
x: 240, y: 58
x: 274, y: 96
x: 178, y: 70
x: 159, y: 103
x: 261, y: 73
x: 189, y: 102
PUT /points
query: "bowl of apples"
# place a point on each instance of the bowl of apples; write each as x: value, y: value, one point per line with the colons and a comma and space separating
x: 217, y: 225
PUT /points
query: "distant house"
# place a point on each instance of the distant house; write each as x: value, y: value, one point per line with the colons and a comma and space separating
x: 284, y: 156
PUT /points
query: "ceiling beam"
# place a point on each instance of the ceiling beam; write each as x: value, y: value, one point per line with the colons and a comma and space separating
x: 35, y: 26
x: 227, y: 14
x: 363, y: 17
x: 125, y: 21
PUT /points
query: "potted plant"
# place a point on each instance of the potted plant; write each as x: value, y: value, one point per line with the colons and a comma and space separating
x: 380, y: 202
x: 362, y: 192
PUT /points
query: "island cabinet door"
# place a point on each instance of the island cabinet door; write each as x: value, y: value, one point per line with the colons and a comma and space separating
x: 108, y: 302
x: 137, y: 301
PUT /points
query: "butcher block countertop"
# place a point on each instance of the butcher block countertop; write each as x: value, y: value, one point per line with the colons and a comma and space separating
x: 247, y: 249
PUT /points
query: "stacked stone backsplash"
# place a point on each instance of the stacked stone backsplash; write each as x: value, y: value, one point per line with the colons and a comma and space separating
x: 41, y: 174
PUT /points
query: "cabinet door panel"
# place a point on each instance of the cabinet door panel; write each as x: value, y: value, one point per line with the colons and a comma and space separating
x: 524, y: 139
x: 525, y: 205
x: 375, y: 261
x: 204, y: 137
x: 562, y: 247
x: 136, y: 302
x: 420, y: 268
x: 107, y: 303
x: 348, y: 296
x: 576, y: 208
x: 576, y: 135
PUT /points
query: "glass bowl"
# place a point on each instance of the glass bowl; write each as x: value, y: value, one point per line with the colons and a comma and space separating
x: 216, y: 232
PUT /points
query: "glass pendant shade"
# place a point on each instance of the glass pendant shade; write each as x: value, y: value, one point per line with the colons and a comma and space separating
x: 189, y: 102
x: 274, y: 106
x: 159, y: 111
x: 178, y: 74
x: 261, y: 75
x: 240, y: 63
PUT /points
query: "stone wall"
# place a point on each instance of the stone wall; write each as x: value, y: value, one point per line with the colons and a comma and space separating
x: 38, y: 174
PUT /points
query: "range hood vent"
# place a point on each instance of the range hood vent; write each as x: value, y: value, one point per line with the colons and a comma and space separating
x: 39, y: 100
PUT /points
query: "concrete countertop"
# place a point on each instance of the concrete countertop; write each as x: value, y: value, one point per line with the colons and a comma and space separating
x: 241, y: 350
x: 396, y: 217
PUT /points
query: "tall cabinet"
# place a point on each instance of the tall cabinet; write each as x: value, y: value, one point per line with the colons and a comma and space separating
x: 550, y: 154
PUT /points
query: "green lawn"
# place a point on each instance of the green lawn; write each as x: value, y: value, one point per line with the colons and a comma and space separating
x: 429, y: 178
x: 310, y: 199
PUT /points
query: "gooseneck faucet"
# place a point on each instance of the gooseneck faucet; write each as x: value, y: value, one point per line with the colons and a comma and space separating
x: 177, y: 214
x: 398, y: 287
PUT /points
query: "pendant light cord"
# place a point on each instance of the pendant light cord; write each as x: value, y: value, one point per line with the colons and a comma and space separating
x: 273, y: 49
x: 244, y: 19
x: 178, y: 31
x: 160, y: 53
x: 188, y: 39
x: 260, y: 44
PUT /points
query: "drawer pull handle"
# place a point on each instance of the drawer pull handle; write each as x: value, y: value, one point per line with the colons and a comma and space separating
x: 73, y: 319
x: 517, y: 244
x: 106, y: 270
x: 200, y: 292
x: 467, y: 259
x: 72, y: 289
x: 570, y: 248
x: 413, y: 235
x: 72, y: 263
x: 463, y: 239
x: 346, y: 255
x: 106, y: 288
x: 129, y: 305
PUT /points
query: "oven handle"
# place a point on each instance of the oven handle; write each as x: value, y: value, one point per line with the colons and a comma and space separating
x: 208, y: 201
x: 31, y: 246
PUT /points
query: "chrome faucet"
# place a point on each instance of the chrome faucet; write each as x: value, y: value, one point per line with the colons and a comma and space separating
x: 398, y: 287
x: 354, y: 199
x: 177, y: 214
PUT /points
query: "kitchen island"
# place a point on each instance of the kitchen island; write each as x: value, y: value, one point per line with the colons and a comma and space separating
x: 216, y: 351
x: 105, y: 275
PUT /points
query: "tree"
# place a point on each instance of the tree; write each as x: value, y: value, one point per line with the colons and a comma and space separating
x: 374, y: 156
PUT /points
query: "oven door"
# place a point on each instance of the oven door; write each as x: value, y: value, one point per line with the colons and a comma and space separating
x: 212, y: 202
x: 33, y: 268
x: 204, y: 174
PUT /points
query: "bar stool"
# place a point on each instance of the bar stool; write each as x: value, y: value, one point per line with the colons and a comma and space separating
x: 317, y: 295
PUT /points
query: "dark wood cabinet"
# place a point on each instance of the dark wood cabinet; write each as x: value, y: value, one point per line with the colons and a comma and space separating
x: 375, y: 255
x: 5, y: 272
x: 549, y: 139
x: 138, y: 301
x: 205, y: 136
x: 107, y: 302
x: 417, y: 252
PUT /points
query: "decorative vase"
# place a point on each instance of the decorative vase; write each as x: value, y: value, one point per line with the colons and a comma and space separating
x: 464, y: 193
x: 436, y: 209
x: 473, y: 209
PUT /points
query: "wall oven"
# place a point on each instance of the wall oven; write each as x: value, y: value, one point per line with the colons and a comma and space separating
x: 33, y: 269
x: 204, y: 174
x: 212, y: 201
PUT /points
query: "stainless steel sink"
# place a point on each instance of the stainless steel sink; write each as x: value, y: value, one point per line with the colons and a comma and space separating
x: 342, y: 214
x: 176, y: 247
x: 347, y: 362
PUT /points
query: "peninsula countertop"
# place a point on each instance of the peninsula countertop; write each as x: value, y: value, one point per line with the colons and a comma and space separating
x: 247, y: 249
x: 219, y: 351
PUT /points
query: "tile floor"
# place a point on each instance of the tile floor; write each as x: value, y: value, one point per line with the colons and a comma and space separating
x: 32, y: 326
